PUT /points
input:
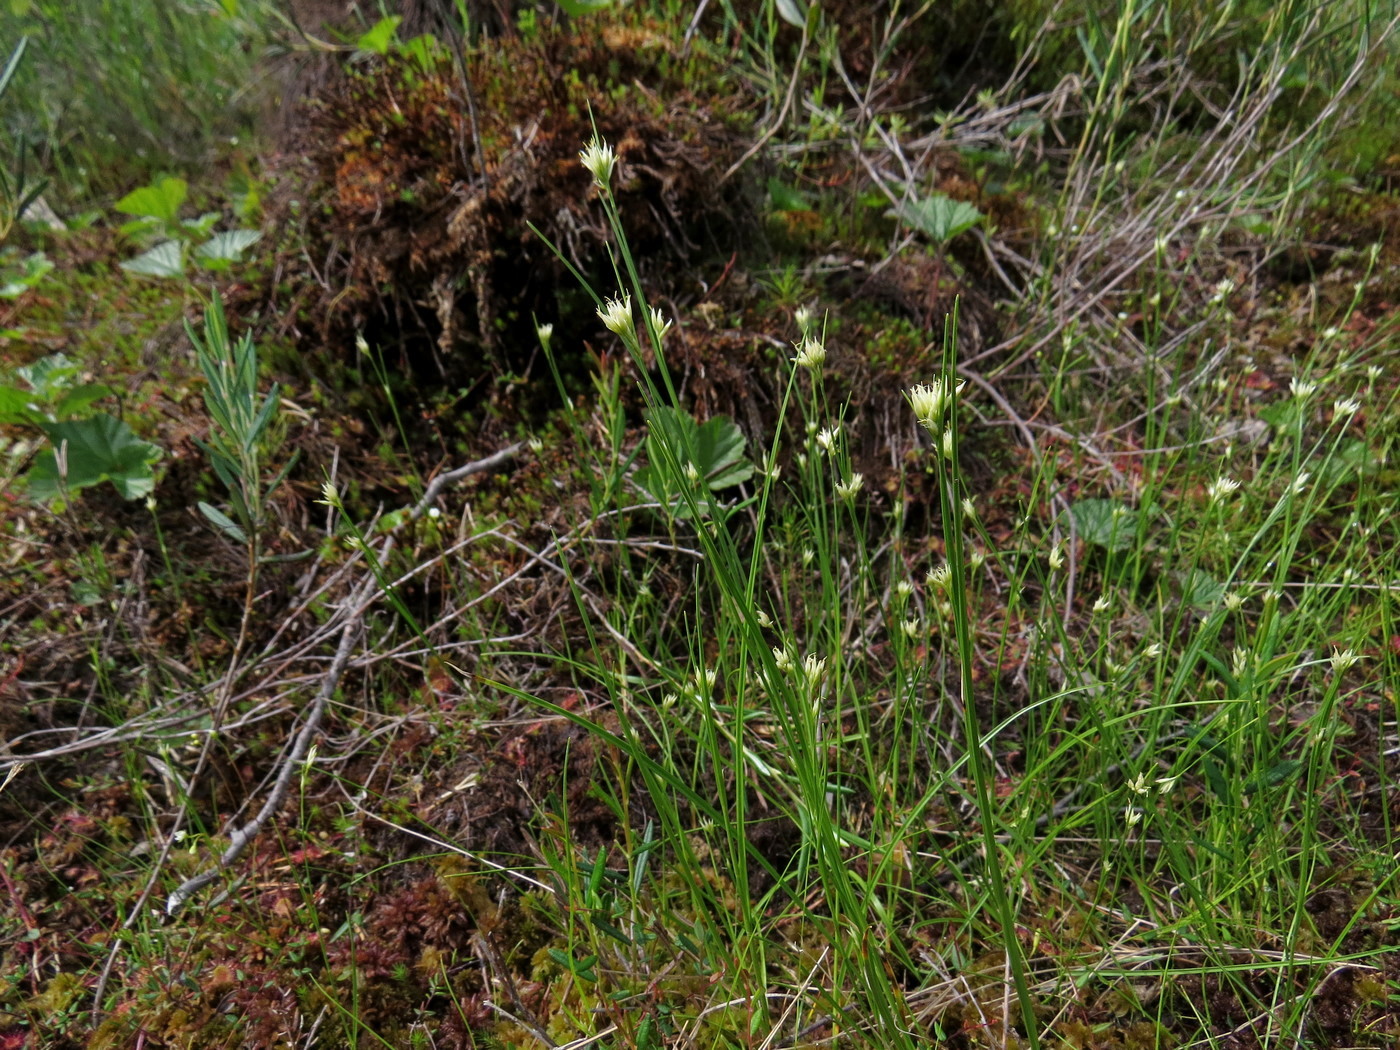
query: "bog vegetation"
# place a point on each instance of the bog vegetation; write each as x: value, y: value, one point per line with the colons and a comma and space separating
x: 750, y: 524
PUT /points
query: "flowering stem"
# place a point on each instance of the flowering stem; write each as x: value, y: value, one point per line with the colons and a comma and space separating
x: 950, y: 495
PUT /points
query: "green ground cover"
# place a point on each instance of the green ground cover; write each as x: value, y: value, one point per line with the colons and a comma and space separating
x: 772, y: 526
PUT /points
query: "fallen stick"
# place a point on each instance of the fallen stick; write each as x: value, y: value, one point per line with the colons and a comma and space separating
x: 241, y: 837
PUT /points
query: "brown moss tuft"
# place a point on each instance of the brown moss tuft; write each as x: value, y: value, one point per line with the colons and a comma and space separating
x: 422, y: 181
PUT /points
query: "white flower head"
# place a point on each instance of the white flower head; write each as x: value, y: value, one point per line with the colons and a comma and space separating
x: 598, y: 157
x: 807, y: 556
x: 764, y: 620
x: 1166, y: 784
x: 928, y: 401
x: 1057, y: 557
x: 1234, y: 601
x: 692, y: 473
x: 544, y: 333
x: 1221, y: 487
x: 705, y: 681
x: 828, y: 437
x: 904, y: 588
x: 1153, y: 651
x: 968, y: 508
x: 803, y: 317
x: 948, y: 443
x: 1103, y: 603
x: 1301, y: 388
x: 810, y: 353
x: 1341, y: 659
x: 1138, y: 784
x: 910, y: 627
x: 976, y: 560
x: 939, y: 577
x: 659, y: 323
x: 1300, y: 483
x: 535, y: 445
x: 1132, y: 816
x: 1346, y: 406
x: 848, y: 489
x: 330, y: 495
x: 782, y: 658
x: 812, y: 668
x: 616, y: 315
x: 1239, y: 661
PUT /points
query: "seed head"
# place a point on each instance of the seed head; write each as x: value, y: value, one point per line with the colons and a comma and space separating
x: 659, y: 323
x: 598, y: 157
x: 928, y: 400
x: 616, y: 315
x: 811, y: 354
x: 848, y: 489
x: 1343, y: 658
x: 1239, y: 661
x: 1218, y: 489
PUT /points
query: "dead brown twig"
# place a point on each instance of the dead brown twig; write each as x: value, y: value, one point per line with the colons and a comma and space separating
x: 350, y: 621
